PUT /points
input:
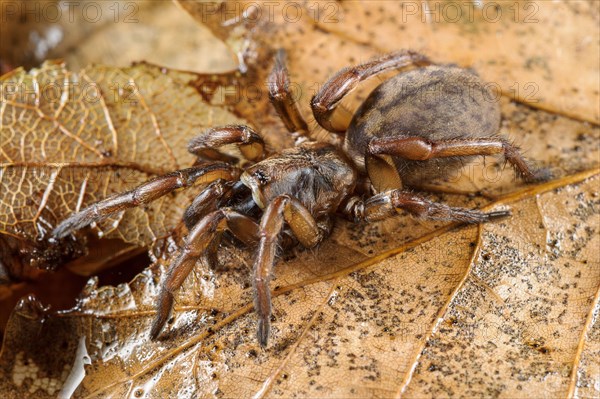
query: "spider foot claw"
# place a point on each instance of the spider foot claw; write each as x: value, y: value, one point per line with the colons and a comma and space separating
x: 498, y: 214
x: 69, y: 225
x: 540, y: 175
x: 165, y: 305
x: 264, y: 326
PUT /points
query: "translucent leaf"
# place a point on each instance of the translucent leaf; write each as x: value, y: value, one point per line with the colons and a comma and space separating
x: 399, y: 308
x: 70, y: 139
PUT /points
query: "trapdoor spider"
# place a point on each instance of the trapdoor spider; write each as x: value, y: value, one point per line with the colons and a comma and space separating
x: 423, y: 121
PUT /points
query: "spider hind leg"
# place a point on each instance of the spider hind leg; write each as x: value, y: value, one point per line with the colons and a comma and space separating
x: 420, y: 149
x: 390, y: 203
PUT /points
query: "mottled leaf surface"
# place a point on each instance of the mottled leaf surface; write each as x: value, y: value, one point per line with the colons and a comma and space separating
x: 399, y: 308
x: 541, y: 53
x: 69, y: 139
x: 506, y: 309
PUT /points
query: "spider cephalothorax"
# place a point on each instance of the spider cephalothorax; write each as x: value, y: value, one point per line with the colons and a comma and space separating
x: 418, y: 123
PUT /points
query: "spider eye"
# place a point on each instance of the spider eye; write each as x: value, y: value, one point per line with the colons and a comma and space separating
x: 261, y: 177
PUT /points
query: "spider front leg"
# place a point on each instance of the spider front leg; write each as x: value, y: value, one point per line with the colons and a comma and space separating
x: 282, y: 99
x: 390, y: 203
x: 420, y: 149
x: 200, y: 240
x: 249, y: 142
x: 305, y: 229
x: 145, y: 193
x: 214, y: 196
x: 324, y: 103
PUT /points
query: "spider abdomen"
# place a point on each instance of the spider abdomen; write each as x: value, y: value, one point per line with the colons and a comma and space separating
x: 435, y: 103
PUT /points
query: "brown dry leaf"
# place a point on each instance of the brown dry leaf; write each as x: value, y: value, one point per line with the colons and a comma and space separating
x: 527, y: 50
x: 130, y: 31
x: 32, y: 32
x: 157, y: 35
x: 70, y: 139
x: 507, y: 309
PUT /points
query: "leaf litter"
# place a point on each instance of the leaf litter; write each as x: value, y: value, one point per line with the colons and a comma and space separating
x: 521, y: 293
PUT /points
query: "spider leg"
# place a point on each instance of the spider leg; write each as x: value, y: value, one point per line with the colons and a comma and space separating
x: 211, y: 253
x: 216, y: 195
x: 306, y: 230
x: 282, y: 99
x: 390, y: 203
x: 420, y: 149
x: 324, y: 103
x: 145, y: 193
x: 205, y: 145
x: 208, y: 200
x: 201, y: 238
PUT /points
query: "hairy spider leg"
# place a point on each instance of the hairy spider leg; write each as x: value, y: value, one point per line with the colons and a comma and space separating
x: 200, y: 239
x: 305, y: 229
x: 145, y: 193
x: 421, y: 149
x: 208, y: 200
x: 283, y: 100
x: 218, y: 194
x: 206, y: 144
x: 325, y: 102
x: 390, y: 203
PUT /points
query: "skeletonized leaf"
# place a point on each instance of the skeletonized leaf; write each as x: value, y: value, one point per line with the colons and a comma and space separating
x: 397, y: 308
x: 69, y: 139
